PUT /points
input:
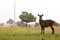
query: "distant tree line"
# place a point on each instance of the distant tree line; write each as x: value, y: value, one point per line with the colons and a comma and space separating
x: 55, y: 24
x: 25, y: 19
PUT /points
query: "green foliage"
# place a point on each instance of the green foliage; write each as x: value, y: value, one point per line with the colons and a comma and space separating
x: 56, y: 24
x: 10, y: 21
x: 20, y: 23
x: 27, y: 17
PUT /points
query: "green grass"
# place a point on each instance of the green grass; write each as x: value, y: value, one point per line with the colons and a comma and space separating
x: 28, y: 34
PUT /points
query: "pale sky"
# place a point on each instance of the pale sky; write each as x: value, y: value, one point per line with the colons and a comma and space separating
x: 50, y: 9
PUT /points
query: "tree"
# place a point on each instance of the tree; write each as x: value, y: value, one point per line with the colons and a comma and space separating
x: 10, y: 21
x: 2, y: 24
x: 56, y: 24
x: 36, y: 24
x: 20, y: 24
x: 27, y: 17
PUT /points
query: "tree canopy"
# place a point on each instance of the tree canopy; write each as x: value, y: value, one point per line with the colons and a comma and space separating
x: 27, y: 17
x: 10, y: 21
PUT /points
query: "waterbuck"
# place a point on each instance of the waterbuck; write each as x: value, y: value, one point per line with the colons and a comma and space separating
x: 45, y: 23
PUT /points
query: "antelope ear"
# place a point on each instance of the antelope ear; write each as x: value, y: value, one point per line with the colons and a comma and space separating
x: 38, y: 14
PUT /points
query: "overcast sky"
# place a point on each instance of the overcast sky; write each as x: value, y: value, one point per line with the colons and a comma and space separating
x: 50, y: 9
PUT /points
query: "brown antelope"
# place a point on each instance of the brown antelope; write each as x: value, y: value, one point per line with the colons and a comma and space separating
x: 45, y: 23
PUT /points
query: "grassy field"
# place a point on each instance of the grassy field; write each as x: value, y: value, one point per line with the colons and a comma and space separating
x: 17, y: 33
